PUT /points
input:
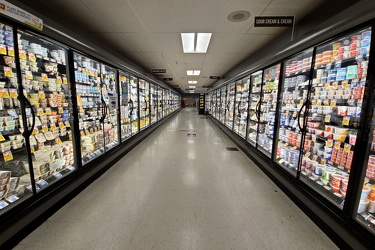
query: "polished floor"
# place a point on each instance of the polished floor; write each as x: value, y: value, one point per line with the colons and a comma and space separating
x: 181, y: 189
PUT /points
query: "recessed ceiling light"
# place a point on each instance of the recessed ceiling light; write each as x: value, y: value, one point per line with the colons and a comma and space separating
x: 239, y: 16
x: 192, y: 87
x: 192, y: 82
x: 193, y: 72
x: 192, y: 43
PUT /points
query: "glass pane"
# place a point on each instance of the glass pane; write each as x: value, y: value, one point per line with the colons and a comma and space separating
x: 90, y: 107
x: 47, y: 88
x: 15, y: 179
x: 254, y: 105
x: 268, y: 109
x: 126, y: 129
x: 223, y: 102
x: 110, y: 96
x: 144, y: 104
x: 230, y: 105
x: 294, y: 95
x: 242, y: 95
x: 336, y: 100
x: 133, y: 99
x: 153, y: 103
x: 160, y: 103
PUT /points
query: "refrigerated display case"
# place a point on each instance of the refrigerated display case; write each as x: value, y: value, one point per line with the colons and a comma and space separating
x: 223, y: 101
x: 218, y: 104
x: 294, y: 94
x: 231, y: 92
x: 254, y: 103
x: 267, y: 109
x: 153, y: 103
x: 126, y: 127
x: 241, y: 106
x: 334, y: 115
x: 144, y: 104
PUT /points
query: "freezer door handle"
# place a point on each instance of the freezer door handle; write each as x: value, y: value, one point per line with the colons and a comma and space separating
x: 257, y: 108
x: 299, y: 117
x: 27, y: 133
x: 104, y: 111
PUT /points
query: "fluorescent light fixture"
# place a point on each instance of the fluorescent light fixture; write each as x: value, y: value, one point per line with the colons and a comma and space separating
x: 192, y: 82
x: 192, y: 87
x: 193, y: 72
x: 191, y: 91
x: 192, y: 43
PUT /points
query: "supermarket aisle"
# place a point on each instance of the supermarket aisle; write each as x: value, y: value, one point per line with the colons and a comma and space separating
x: 180, y: 191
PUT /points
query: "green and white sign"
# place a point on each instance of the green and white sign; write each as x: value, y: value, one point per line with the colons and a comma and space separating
x: 21, y: 15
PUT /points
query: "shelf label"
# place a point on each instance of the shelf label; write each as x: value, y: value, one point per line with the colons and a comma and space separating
x: 82, y: 133
x: 347, y: 147
x: 58, y: 141
x: 333, y: 103
x: 12, y: 198
x: 8, y: 156
x: 39, y: 111
x: 65, y: 80
x: 329, y: 143
x: 87, y: 132
x: 48, y: 111
x: 3, y: 50
x: 57, y: 175
x: 22, y: 54
x: 3, y: 204
x: 53, y: 127
x: 2, y: 137
x: 337, y: 145
x: 67, y: 124
x: 61, y: 125
x: 345, y: 84
x: 71, y: 168
x: 327, y: 118
x: 32, y: 149
x: 32, y: 57
x: 315, y: 157
x: 13, y: 93
x: 58, y: 79
x: 60, y: 110
x: 327, y: 86
x: 313, y: 138
x: 307, y: 154
x: 29, y: 75
x: 41, y: 94
x: 44, y: 77
x: 322, y: 161
x: 346, y: 120
x: 35, y: 131
x: 44, y: 128
x: 8, y: 71
x: 42, y: 183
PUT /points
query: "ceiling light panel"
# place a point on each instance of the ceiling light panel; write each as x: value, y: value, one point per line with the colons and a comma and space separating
x: 193, y: 72
x: 192, y: 43
x: 192, y: 87
x: 192, y: 82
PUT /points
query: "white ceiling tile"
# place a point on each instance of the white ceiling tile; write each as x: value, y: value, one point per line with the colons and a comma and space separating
x: 223, y: 43
x: 251, y: 43
x: 194, y: 58
x: 168, y: 42
x: 153, y: 58
x: 114, y: 40
x: 141, y: 42
x: 117, y: 14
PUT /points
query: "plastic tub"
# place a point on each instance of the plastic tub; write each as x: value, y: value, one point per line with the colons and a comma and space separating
x: 339, y: 137
x: 342, y: 110
x: 336, y: 180
x: 362, y: 207
x: 328, y: 135
x: 341, y: 131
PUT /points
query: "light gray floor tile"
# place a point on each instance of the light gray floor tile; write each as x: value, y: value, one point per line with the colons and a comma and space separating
x: 179, y: 192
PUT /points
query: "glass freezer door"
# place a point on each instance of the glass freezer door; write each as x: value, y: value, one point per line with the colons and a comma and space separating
x: 231, y: 91
x: 90, y: 106
x: 242, y: 107
x: 153, y: 103
x: 160, y: 103
x: 46, y: 86
x: 126, y: 128
x: 144, y: 104
x: 109, y: 96
x: 223, y: 93
x: 214, y: 104
x: 294, y: 95
x: 268, y: 109
x: 133, y: 102
x: 237, y: 103
x: 15, y: 174
x: 218, y: 104
x: 338, y: 87
x: 254, y: 105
